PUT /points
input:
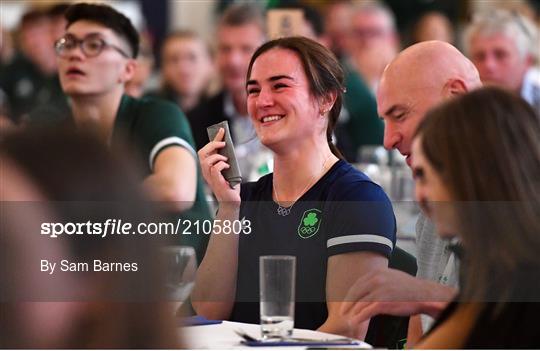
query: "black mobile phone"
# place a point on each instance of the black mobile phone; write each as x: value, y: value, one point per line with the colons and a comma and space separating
x: 232, y: 174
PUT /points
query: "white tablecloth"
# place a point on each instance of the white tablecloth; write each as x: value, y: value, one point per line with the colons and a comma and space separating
x: 222, y: 336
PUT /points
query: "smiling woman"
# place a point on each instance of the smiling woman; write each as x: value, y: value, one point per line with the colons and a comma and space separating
x: 315, y: 206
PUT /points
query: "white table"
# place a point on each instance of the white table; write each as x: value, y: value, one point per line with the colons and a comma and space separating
x: 222, y: 336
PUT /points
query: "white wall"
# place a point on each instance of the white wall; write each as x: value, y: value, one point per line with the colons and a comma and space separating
x: 11, y: 11
x: 196, y: 15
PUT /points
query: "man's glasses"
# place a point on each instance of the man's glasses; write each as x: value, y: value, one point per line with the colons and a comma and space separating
x: 91, y: 46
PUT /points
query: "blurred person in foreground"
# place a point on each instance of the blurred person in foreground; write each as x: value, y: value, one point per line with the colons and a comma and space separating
x: 186, y: 70
x: 492, y: 204
x: 64, y: 177
x: 96, y: 57
x: 504, y: 46
x: 308, y: 207
x: 240, y: 31
x: 419, y: 78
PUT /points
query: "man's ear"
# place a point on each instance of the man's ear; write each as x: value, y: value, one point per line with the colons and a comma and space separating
x: 454, y: 87
x: 129, y: 71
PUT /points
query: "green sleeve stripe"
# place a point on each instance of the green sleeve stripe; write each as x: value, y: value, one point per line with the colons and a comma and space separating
x: 168, y: 142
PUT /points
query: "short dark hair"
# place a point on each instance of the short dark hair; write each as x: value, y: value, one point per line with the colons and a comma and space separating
x: 58, y: 10
x: 108, y: 17
x: 33, y: 15
x: 243, y: 14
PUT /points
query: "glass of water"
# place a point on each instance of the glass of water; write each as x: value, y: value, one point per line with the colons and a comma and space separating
x: 277, y: 278
x: 180, y: 268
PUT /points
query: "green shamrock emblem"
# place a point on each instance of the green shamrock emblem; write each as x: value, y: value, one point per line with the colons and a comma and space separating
x: 311, y: 219
x: 310, y: 223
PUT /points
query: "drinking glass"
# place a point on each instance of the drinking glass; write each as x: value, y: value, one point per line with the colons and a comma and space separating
x: 277, y: 293
x: 180, y: 268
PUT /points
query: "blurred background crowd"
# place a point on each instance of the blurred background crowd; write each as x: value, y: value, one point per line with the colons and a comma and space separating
x: 194, y: 57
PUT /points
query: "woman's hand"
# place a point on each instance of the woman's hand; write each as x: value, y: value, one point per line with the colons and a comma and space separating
x: 215, y: 285
x: 212, y: 164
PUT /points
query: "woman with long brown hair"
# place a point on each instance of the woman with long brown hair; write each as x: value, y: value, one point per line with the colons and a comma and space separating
x: 477, y: 172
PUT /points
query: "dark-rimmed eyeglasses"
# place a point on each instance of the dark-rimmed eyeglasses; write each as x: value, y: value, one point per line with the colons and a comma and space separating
x: 91, y: 46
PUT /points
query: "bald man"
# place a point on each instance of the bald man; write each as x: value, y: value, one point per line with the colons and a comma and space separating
x: 420, y: 77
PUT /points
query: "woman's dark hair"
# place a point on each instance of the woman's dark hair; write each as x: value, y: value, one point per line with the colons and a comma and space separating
x: 81, y: 180
x: 486, y: 147
x: 107, y: 17
x: 322, y: 70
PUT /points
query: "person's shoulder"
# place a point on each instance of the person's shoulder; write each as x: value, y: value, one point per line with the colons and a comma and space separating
x: 19, y: 62
x: 353, y: 79
x: 213, y: 105
x: 252, y: 191
x: 159, y: 94
x: 156, y: 111
x: 216, y: 99
x: 533, y: 75
x: 156, y: 104
x: 348, y: 183
x: 208, y: 112
x: 19, y: 68
x: 155, y: 120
